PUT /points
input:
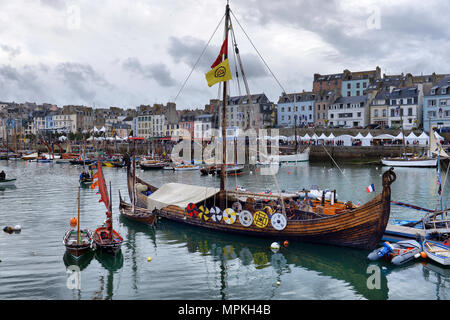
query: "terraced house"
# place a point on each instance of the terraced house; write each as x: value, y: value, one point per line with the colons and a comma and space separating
x: 437, y: 105
x: 296, y: 108
x: 405, y: 107
x: 349, y: 112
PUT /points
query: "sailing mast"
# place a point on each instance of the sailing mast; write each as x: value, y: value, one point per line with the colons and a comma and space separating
x: 78, y: 228
x: 224, y: 106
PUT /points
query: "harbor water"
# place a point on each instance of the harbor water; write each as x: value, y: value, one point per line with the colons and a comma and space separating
x: 175, y: 261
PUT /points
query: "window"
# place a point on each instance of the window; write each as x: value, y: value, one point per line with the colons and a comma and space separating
x: 376, y: 113
x: 359, y: 114
x: 349, y: 93
x: 357, y: 93
x: 364, y: 84
x: 431, y: 102
x: 410, y: 111
x: 410, y: 101
x: 392, y: 113
x: 358, y: 85
x: 349, y: 85
x: 384, y: 112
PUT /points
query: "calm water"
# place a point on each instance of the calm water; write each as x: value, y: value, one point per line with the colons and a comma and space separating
x: 191, y: 263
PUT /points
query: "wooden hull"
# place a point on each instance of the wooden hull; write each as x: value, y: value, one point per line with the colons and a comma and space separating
x: 78, y: 249
x: 151, y: 166
x: 109, y: 246
x: 437, y: 252
x: 361, y: 227
x: 141, y: 215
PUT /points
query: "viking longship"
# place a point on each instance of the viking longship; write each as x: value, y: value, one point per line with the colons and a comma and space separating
x: 265, y: 215
x: 136, y: 210
x: 105, y: 237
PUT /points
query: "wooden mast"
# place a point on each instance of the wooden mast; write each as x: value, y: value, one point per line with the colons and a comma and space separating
x: 224, y: 106
x: 78, y: 228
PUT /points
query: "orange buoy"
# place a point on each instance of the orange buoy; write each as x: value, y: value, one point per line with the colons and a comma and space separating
x: 423, y: 254
x: 285, y: 243
x: 73, y: 222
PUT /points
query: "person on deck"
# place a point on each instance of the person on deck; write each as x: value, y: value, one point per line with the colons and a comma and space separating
x: 2, y: 175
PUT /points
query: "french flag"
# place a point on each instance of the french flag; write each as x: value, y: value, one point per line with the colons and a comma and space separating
x: 370, y: 188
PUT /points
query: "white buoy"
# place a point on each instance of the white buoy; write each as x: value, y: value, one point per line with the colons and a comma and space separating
x: 275, y: 246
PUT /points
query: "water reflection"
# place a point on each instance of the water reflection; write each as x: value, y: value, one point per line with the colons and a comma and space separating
x: 81, y: 263
x: 338, y: 263
x: 439, y: 276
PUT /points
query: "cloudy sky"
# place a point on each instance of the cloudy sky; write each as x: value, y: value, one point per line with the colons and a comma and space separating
x: 126, y: 53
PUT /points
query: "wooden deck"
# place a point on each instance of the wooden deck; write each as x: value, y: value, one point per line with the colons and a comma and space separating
x: 398, y: 233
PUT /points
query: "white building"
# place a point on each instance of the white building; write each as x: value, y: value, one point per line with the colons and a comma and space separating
x: 349, y: 112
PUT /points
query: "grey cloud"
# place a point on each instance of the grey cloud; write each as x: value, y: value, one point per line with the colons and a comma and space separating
x: 158, y: 71
x: 188, y: 50
x: 12, y: 52
x: 81, y: 79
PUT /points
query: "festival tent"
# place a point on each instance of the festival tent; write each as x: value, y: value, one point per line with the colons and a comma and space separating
x: 331, y: 137
x: 314, y: 137
x: 411, y: 138
x: 384, y: 137
x: 345, y: 138
x: 423, y: 139
x: 399, y: 136
x: 306, y: 137
x: 62, y: 138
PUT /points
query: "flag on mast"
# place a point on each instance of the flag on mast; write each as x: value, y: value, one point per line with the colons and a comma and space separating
x: 220, y: 70
x: 370, y: 188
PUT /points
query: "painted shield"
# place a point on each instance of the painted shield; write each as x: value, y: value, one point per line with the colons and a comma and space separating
x: 246, y: 218
x: 237, y: 206
x: 204, y: 213
x: 260, y: 219
x: 229, y: 216
x: 216, y: 214
x: 192, y: 210
x: 278, y: 221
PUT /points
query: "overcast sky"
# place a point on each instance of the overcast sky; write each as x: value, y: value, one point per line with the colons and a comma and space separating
x: 126, y: 53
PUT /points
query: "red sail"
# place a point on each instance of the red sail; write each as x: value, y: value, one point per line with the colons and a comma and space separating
x: 102, y: 187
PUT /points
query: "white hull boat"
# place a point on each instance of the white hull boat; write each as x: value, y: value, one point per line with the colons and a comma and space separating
x: 410, y: 162
x: 7, y: 182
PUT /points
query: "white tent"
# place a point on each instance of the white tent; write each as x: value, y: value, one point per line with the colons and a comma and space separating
x: 411, y: 138
x: 345, y: 138
x: 359, y: 136
x: 331, y: 137
x: 62, y: 138
x: 384, y: 137
x: 423, y: 139
x: 306, y: 137
x: 438, y: 136
x: 314, y: 137
x: 103, y: 129
x: 399, y: 136
x: 322, y: 137
x: 95, y: 129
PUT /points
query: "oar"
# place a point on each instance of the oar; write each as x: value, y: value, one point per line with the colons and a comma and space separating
x: 411, y: 206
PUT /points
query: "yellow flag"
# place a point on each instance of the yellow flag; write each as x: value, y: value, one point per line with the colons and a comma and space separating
x: 219, y: 73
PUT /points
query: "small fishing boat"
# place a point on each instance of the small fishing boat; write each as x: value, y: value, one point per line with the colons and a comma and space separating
x: 7, y: 182
x: 77, y: 242
x: 136, y: 210
x: 437, y: 251
x: 397, y: 253
x: 30, y: 156
x: 186, y: 167
x: 105, y: 237
x: 151, y: 165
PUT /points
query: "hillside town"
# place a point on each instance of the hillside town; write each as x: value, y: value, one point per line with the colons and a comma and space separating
x: 351, y: 99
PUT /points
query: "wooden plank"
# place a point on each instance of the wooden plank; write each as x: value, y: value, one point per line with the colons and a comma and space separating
x: 404, y: 231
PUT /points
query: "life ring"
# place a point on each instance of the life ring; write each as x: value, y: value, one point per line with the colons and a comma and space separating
x: 237, y: 206
x: 229, y: 216
x: 246, y: 218
x: 260, y: 219
x: 204, y: 213
x: 216, y: 214
x: 278, y: 221
x: 269, y: 210
x: 192, y: 210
